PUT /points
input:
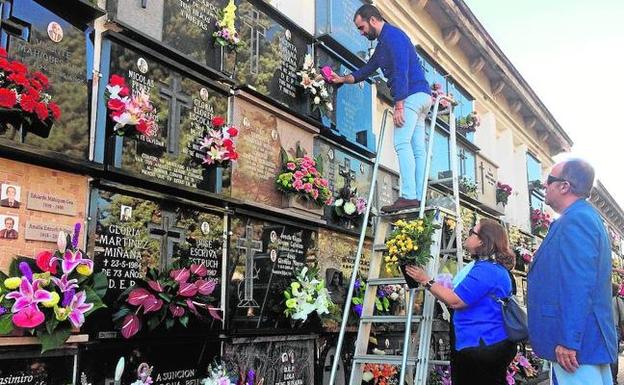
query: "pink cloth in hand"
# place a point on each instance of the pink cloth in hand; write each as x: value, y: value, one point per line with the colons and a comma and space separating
x: 327, y: 72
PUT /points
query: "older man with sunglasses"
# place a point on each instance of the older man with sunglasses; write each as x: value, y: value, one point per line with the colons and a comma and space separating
x: 569, y: 283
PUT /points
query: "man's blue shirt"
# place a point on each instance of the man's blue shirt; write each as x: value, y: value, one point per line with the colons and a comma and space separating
x: 482, y: 318
x: 396, y: 56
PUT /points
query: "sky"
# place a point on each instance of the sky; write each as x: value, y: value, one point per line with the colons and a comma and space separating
x: 571, y: 52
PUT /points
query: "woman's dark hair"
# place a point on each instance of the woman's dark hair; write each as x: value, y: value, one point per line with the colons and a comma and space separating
x: 495, y: 243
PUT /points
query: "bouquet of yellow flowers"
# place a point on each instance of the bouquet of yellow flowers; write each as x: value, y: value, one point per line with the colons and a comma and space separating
x: 409, y: 243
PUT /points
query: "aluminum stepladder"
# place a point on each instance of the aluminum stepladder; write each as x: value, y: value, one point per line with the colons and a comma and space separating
x: 374, y: 280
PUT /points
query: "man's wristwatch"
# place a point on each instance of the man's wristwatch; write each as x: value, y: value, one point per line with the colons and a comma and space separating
x: 428, y: 284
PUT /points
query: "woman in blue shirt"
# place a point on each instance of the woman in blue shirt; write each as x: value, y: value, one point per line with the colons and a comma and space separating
x: 482, y: 350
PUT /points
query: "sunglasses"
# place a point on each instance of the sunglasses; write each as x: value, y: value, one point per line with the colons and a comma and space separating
x: 552, y: 179
x: 472, y: 232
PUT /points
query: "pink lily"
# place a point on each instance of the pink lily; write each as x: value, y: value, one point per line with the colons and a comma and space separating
x: 71, y: 260
x: 65, y: 284
x: 77, y: 308
x: 27, y: 295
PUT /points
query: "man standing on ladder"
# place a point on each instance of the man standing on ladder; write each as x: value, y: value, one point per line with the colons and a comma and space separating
x: 396, y: 56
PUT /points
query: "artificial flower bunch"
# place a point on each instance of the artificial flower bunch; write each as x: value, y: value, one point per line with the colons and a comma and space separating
x: 349, y: 204
x: 307, y: 294
x: 445, y: 104
x: 313, y: 83
x: 167, y: 297
x: 218, y: 143
x: 226, y: 34
x: 52, y: 294
x: 220, y: 374
x: 144, y: 375
x: 522, y: 368
x: 523, y: 254
x: 387, y: 296
x: 409, y: 243
x: 359, y: 288
x: 302, y: 176
x: 26, y: 92
x: 540, y: 221
x: 440, y: 375
x: 468, y: 187
x: 131, y: 113
x: 380, y: 374
x: 503, y: 191
x: 469, y: 123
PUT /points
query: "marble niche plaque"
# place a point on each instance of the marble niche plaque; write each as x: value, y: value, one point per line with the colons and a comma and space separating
x: 46, y: 370
x: 131, y: 235
x: 334, y: 20
x: 46, y: 42
x: 352, y: 119
x: 183, y: 107
x: 263, y: 131
x: 264, y: 259
x: 487, y: 176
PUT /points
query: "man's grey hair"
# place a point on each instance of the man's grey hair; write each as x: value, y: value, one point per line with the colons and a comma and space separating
x: 580, y: 175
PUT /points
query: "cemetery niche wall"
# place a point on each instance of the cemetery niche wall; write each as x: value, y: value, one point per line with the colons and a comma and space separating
x: 29, y: 366
x: 130, y: 235
x: 61, y: 49
x: 334, y: 25
x: 183, y: 108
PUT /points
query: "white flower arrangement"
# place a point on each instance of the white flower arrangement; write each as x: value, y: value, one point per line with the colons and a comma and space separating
x: 313, y: 83
x: 307, y: 294
x: 218, y: 374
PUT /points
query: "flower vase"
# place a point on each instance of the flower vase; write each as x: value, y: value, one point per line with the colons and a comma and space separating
x: 16, y: 118
x: 299, y: 204
x: 228, y: 61
x: 212, y: 177
x: 411, y: 283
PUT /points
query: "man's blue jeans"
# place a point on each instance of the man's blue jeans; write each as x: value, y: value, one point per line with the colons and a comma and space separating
x: 409, y: 144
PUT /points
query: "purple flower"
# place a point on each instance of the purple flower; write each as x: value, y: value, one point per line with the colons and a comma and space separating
x: 26, y: 271
x: 65, y: 284
x: 28, y: 294
x: 2, y: 310
x: 71, y: 260
x: 357, y: 284
x: 381, y: 293
x: 77, y: 308
x: 251, y: 377
x: 358, y: 309
x: 67, y: 297
x: 76, y: 235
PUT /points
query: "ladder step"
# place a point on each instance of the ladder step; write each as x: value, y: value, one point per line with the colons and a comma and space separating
x: 441, y: 180
x: 385, y: 281
x: 439, y: 362
x: 382, y: 359
x: 408, y: 214
x: 448, y: 251
x: 389, y: 319
x: 380, y: 247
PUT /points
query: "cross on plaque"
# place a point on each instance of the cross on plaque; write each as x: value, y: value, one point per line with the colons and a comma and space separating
x: 168, y: 235
x: 250, y: 247
x: 177, y: 100
x: 11, y: 25
x: 346, y: 172
x: 256, y: 31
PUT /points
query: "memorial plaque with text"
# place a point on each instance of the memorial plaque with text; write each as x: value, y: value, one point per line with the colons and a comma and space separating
x: 337, y: 251
x: 262, y: 133
x: 387, y: 188
x: 183, y: 109
x: 179, y: 361
x: 133, y: 235
x: 264, y: 259
x: 273, y: 53
x: 185, y: 26
x: 45, y: 232
x: 342, y: 168
x: 335, y: 19
x: 48, y: 43
x: 487, y: 176
x: 51, y: 203
x: 352, y: 117
x: 37, y: 370
x: 275, y: 360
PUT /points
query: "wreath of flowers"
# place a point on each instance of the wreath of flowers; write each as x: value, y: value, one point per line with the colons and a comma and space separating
x: 218, y: 143
x: 307, y: 294
x: 314, y: 84
x: 51, y: 294
x: 132, y: 114
x: 167, y: 297
x: 26, y: 92
x: 226, y: 34
x: 303, y: 176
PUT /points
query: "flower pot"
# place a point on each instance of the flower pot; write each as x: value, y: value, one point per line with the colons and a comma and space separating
x: 299, y: 204
x: 411, y: 283
x: 20, y: 119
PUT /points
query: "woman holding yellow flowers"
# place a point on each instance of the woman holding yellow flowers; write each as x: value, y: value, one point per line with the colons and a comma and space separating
x: 482, y: 350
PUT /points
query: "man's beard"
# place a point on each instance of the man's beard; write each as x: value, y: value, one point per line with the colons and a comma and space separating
x: 371, y: 35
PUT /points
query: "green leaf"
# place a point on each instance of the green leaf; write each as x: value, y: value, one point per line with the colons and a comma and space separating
x: 357, y: 301
x: 3, y: 276
x: 121, y: 313
x: 169, y: 323
x: 13, y: 269
x: 284, y: 156
x: 378, y: 304
x: 53, y: 340
x: 6, y: 324
x: 51, y: 324
x: 386, y: 304
x: 153, y: 322
x: 165, y: 297
x: 100, y: 284
x: 287, y: 294
x: 319, y: 164
x: 93, y: 298
x: 184, y: 320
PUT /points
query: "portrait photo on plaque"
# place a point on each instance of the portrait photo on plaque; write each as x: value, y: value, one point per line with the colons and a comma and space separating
x: 9, y: 225
x: 125, y: 213
x: 10, y: 195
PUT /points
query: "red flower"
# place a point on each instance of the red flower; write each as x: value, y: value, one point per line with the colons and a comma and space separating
x: 116, y: 80
x: 233, y: 155
x: 218, y: 121
x: 4, y: 64
x: 28, y: 103
x: 42, y: 79
x: 116, y: 105
x: 7, y: 98
x: 41, y: 109
x: 33, y: 93
x: 143, y: 127
x: 124, y: 92
x: 3, y: 52
x: 19, y: 79
x: 56, y: 111
x: 227, y: 143
x: 18, y: 67
x: 43, y: 261
x: 232, y: 131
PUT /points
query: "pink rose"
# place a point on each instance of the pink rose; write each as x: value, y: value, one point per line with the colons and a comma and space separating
x: 291, y: 166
